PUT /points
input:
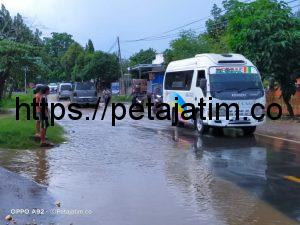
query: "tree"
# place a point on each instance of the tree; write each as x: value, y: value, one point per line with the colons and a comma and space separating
x: 90, y: 46
x: 187, y: 45
x: 5, y: 24
x: 55, y: 47
x: 142, y: 57
x: 102, y: 67
x: 216, y: 26
x: 14, y: 57
x: 58, y: 44
x: 17, y: 51
x: 69, y: 59
x: 16, y: 30
x: 267, y: 33
x: 21, y: 32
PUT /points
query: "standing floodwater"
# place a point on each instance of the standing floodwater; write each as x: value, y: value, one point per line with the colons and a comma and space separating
x: 147, y: 172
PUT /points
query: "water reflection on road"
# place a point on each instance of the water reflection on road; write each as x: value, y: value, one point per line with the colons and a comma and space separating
x: 142, y: 172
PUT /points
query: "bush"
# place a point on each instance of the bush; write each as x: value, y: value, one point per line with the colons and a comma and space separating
x: 8, y: 103
x: 121, y: 98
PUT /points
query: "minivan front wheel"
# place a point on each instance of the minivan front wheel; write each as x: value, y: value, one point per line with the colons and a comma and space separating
x: 199, y: 125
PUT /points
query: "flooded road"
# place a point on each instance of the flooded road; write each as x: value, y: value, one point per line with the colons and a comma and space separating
x: 147, y: 172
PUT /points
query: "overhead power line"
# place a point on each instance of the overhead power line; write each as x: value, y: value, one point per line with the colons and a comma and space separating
x: 166, y: 32
x: 218, y: 25
x: 166, y: 35
x: 163, y: 35
x: 292, y: 1
x: 170, y: 34
x: 112, y: 47
x: 176, y: 28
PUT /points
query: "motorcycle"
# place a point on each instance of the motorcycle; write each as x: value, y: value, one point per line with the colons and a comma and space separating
x: 106, y: 94
x: 157, y: 103
x: 107, y: 98
x: 137, y: 99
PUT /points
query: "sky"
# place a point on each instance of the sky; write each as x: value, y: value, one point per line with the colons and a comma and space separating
x: 104, y: 20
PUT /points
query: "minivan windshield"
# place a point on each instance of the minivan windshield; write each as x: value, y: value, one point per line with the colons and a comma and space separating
x: 65, y: 87
x: 85, y: 86
x: 230, y: 85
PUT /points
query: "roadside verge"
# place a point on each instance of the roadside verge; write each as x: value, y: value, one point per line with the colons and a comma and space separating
x: 283, y: 129
x: 20, y: 134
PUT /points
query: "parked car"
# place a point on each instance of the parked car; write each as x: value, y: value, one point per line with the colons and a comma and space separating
x: 84, y: 94
x: 64, y: 91
x: 53, y: 87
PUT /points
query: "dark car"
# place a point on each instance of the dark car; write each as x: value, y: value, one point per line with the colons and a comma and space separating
x: 84, y: 94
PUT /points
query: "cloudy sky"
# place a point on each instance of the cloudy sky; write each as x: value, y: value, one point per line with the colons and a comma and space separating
x: 104, y: 20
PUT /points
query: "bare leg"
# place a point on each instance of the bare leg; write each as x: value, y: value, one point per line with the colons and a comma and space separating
x: 43, y: 135
x: 37, y: 128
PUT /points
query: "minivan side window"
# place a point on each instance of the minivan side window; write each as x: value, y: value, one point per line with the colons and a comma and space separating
x: 180, y: 80
x: 200, y: 75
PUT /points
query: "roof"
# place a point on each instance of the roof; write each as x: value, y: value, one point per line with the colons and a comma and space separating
x: 209, y: 59
x: 217, y: 58
x: 146, y: 67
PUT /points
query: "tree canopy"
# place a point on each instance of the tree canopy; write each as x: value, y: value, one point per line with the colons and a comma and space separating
x: 187, y: 45
x: 265, y: 31
x: 90, y: 46
x: 51, y: 59
x: 14, y: 59
x: 268, y: 34
x: 142, y: 57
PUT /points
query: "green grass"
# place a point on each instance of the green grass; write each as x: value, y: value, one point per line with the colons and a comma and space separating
x: 19, y: 134
x: 8, y: 103
x: 121, y: 98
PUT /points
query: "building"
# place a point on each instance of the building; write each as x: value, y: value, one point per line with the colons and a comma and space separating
x: 153, y: 73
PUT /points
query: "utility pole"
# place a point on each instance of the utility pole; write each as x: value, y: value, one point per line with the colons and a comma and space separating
x: 120, y: 62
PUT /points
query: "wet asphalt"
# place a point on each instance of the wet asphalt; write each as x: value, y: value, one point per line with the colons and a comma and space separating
x: 147, y: 172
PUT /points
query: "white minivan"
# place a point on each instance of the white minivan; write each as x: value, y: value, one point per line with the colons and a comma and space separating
x: 64, y: 91
x: 216, y: 78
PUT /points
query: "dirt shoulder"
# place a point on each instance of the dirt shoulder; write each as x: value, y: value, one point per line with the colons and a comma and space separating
x: 288, y: 129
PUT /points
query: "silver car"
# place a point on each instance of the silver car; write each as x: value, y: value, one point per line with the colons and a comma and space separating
x: 64, y: 91
x: 53, y: 87
x: 84, y: 94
